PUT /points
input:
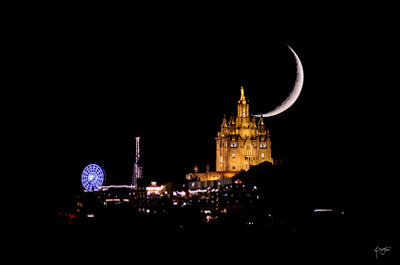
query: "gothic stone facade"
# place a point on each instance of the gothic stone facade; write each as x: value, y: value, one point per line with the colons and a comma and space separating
x: 242, y: 142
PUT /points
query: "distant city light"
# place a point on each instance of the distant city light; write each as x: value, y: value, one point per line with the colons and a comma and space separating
x: 153, y: 189
x: 198, y: 190
x: 322, y: 210
x: 238, y: 181
x: 105, y: 188
x: 182, y: 193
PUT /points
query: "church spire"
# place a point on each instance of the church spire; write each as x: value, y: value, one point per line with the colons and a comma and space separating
x: 224, y: 125
x: 243, y: 109
x: 261, y: 121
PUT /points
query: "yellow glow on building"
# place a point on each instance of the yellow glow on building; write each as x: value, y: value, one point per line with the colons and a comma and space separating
x: 154, y: 189
x: 241, y: 143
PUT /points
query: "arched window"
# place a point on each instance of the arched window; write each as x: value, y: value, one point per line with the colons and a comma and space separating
x: 248, y: 150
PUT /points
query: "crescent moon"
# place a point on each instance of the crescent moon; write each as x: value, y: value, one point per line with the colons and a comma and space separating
x: 294, y: 94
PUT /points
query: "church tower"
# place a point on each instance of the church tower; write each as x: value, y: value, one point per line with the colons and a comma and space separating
x: 243, y: 116
x: 242, y: 142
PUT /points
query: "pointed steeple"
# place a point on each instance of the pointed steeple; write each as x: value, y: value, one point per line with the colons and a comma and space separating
x: 232, y: 125
x: 224, y: 125
x: 261, y: 121
x: 261, y: 126
x: 253, y: 119
x: 232, y: 120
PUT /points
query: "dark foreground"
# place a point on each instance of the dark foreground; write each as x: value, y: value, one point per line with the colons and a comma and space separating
x: 188, y: 235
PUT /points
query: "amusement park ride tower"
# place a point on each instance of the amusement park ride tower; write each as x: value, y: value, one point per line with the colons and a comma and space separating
x: 137, y: 170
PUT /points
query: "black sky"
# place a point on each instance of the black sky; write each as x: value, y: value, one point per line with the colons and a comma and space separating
x: 169, y: 78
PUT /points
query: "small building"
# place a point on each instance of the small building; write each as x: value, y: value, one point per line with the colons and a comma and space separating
x: 154, y: 190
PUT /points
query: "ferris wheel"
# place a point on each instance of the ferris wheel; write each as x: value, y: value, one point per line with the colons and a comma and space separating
x: 92, y: 177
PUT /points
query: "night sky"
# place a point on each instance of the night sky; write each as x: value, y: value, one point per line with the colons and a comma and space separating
x: 170, y: 78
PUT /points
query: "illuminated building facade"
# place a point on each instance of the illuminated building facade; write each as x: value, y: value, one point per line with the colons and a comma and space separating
x: 241, y: 143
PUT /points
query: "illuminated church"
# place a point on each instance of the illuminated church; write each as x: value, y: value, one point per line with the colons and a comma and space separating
x: 242, y: 142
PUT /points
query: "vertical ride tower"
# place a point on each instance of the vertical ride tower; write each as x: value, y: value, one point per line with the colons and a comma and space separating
x: 137, y: 169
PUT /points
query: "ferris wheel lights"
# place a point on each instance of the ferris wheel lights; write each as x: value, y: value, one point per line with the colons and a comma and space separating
x: 92, y: 177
